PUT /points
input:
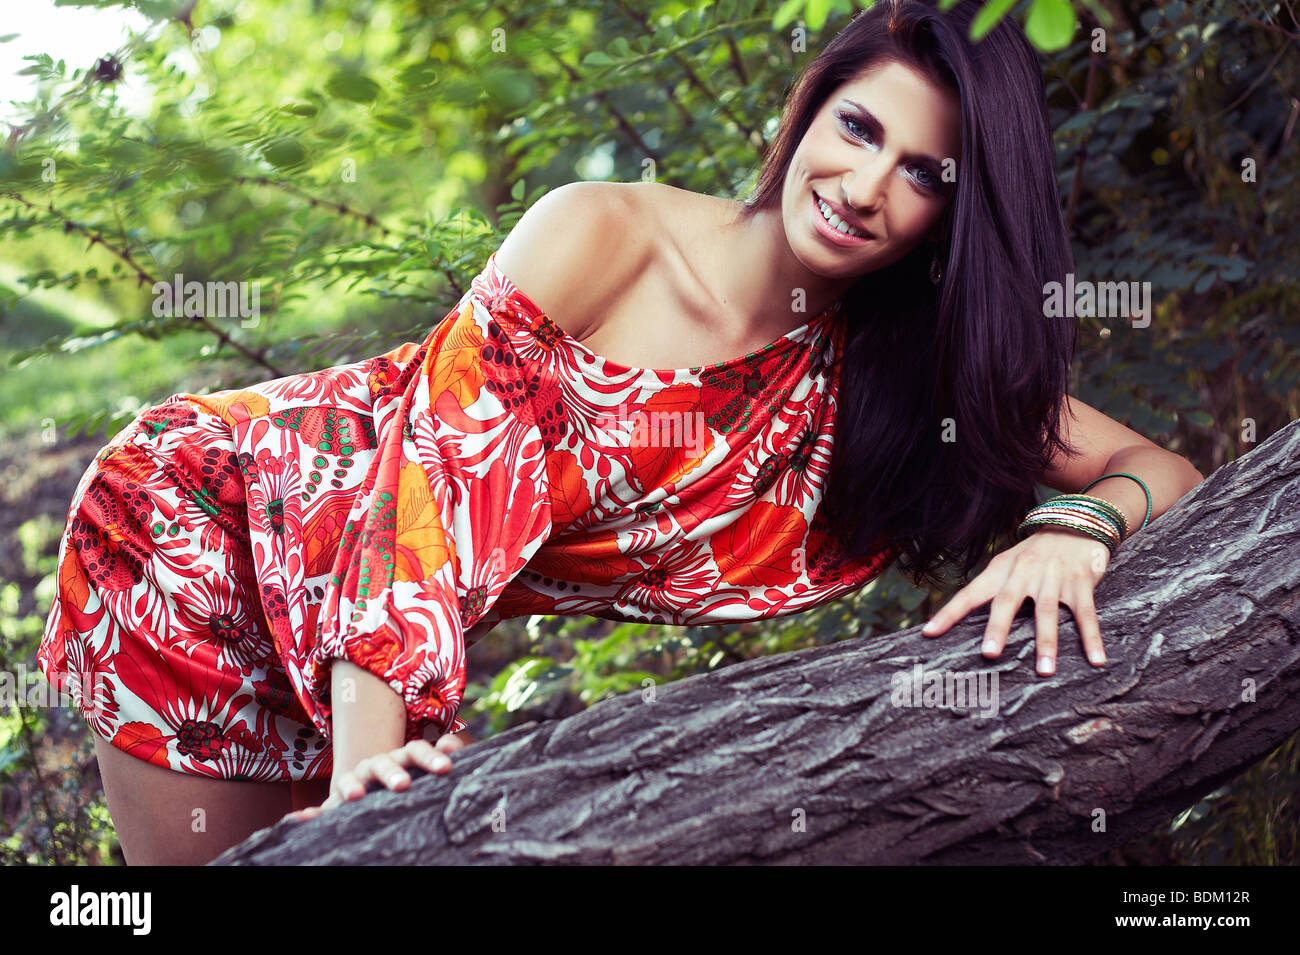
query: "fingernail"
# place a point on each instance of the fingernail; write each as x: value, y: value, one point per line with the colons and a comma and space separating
x: 440, y: 761
x: 1046, y: 665
x: 394, y: 779
x: 929, y: 627
x: 1097, y: 656
x: 990, y: 646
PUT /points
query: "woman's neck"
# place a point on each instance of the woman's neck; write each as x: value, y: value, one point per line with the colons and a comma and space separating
x: 757, y: 274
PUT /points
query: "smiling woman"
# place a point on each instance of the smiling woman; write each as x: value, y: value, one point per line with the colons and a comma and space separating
x: 275, y: 587
x: 938, y: 152
x: 913, y: 176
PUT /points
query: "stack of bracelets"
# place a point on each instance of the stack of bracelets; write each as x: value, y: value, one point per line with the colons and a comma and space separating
x: 1098, y: 519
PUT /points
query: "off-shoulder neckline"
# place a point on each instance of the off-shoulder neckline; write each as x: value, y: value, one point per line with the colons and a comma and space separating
x: 535, y: 311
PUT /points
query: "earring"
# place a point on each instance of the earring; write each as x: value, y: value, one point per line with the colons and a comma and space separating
x: 936, y: 270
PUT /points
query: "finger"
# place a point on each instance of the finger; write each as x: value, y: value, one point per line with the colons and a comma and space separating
x: 347, y: 786
x: 1081, y: 605
x: 975, y: 594
x: 450, y: 743
x: 422, y: 753
x: 385, y: 768
x: 956, y: 608
x: 1006, y: 603
x: 1047, y: 609
x: 302, y: 815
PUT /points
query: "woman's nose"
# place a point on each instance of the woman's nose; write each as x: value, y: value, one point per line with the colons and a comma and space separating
x: 864, y: 188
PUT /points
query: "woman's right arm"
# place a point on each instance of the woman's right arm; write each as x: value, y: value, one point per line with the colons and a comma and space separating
x: 369, y: 728
x: 369, y: 717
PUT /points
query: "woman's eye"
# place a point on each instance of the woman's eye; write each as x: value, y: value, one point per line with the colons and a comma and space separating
x: 925, y: 178
x: 848, y: 122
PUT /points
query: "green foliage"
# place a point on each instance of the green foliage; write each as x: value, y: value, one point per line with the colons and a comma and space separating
x: 584, y: 661
x: 62, y: 818
x: 359, y: 160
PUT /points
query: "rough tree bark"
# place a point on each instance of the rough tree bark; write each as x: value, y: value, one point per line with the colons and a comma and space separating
x: 805, y: 758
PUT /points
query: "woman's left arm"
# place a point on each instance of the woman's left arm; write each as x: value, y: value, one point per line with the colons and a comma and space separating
x: 1059, y: 565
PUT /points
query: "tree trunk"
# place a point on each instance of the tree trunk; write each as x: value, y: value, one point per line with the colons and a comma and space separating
x: 807, y: 757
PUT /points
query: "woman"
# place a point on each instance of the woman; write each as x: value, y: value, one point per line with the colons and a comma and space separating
x: 276, y: 586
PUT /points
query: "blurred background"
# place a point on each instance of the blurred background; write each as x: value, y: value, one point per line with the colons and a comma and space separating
x: 359, y: 160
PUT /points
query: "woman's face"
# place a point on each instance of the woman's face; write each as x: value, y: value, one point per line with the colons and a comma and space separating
x: 876, y: 150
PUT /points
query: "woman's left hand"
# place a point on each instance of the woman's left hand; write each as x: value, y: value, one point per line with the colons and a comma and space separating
x: 1050, y: 567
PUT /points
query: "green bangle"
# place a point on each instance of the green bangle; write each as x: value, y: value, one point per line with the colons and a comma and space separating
x: 1131, y: 477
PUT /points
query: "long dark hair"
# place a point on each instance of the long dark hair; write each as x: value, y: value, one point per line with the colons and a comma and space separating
x: 976, y: 352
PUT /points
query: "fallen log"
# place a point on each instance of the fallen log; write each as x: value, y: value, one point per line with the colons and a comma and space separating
x: 819, y: 756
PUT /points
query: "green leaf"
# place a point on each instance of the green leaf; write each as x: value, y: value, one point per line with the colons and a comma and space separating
x: 213, y: 165
x: 418, y: 76
x: 597, y: 58
x: 11, y: 170
x: 1078, y: 121
x: 1051, y: 24
x: 284, y: 152
x: 511, y: 89
x: 394, y: 120
x: 988, y: 16
x: 517, y: 190
x: 817, y: 12
x: 788, y: 13
x: 300, y: 109
x: 352, y: 86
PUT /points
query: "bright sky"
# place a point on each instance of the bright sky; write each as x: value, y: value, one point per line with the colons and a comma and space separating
x: 78, y: 35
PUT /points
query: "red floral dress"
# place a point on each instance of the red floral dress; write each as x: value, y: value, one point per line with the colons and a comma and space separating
x: 222, y: 549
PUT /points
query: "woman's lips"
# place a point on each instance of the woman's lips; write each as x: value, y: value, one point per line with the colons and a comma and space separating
x: 830, y: 232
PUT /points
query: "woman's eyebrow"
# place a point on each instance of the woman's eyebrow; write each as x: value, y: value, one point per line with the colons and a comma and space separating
x: 878, y: 131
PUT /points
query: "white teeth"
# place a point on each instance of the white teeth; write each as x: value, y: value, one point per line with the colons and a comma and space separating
x: 836, y: 222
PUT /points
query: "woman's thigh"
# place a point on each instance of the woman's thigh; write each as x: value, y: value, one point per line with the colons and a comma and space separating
x: 165, y: 817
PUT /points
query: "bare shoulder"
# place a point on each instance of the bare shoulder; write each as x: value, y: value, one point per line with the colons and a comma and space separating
x: 579, y: 245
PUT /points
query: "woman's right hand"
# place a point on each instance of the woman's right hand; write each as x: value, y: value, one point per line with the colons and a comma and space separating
x: 385, y: 768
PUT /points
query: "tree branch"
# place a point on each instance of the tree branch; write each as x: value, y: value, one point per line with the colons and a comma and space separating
x: 817, y: 756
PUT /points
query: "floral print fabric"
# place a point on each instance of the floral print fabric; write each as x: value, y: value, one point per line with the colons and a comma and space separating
x: 222, y: 550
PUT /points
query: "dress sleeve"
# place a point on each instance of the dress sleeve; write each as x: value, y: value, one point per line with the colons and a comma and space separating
x: 455, y: 502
